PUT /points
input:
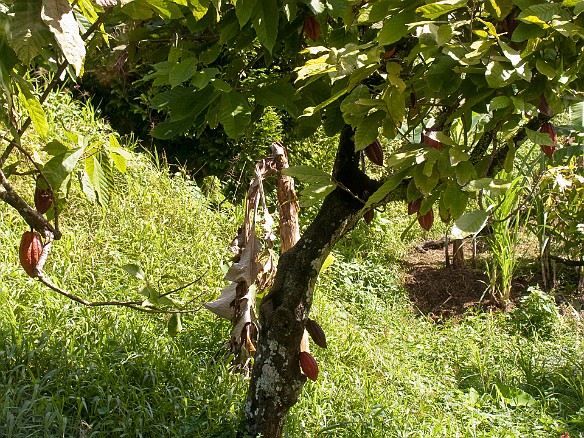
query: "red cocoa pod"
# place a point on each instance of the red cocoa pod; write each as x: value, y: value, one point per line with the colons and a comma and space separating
x: 368, y: 216
x: 43, y: 199
x: 426, y: 220
x: 389, y: 53
x: 308, y: 365
x: 31, y: 247
x: 316, y: 333
x: 550, y: 129
x: 375, y: 153
x: 414, y: 206
x: 311, y: 28
x: 431, y: 142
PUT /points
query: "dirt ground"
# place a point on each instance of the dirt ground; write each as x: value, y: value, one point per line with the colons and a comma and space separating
x: 440, y: 292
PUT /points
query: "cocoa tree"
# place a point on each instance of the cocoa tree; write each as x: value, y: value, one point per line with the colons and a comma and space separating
x: 452, y: 89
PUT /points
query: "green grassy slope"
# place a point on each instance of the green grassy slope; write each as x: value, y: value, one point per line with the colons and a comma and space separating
x: 67, y: 370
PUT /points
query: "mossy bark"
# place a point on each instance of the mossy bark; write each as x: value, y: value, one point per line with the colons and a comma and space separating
x: 276, y: 380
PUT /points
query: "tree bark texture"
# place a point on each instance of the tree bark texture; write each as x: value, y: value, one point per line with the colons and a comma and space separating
x: 276, y: 380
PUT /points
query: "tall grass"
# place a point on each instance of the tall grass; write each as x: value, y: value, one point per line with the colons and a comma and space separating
x: 71, y: 371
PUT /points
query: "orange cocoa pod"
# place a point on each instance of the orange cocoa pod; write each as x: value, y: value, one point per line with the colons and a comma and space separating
x: 414, y: 206
x: 374, y: 152
x: 31, y: 247
x: 316, y: 333
x: 308, y: 365
x: 311, y: 28
x: 426, y: 220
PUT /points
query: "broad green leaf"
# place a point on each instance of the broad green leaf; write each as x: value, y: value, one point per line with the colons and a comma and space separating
x: 86, y: 186
x: 279, y: 94
x: 203, y: 77
x: 174, y: 324
x: 55, y: 147
x: 58, y: 16
x: 265, y: 23
x: 135, y: 271
x: 330, y: 259
x: 368, y: 130
x: 424, y: 182
x: 29, y: 34
x: 182, y: 71
x: 545, y: 68
x: 315, y: 193
x: 436, y: 9
x: 198, y: 8
x: 457, y: 155
x: 500, y: 102
x: 396, y: 26
x: 465, y: 172
x: 352, y: 111
x: 455, y: 200
x: 244, y: 10
x: 386, y: 188
x: 539, y: 138
x: 58, y: 168
x: 33, y: 108
x: 234, y: 115
x: 307, y: 174
x: 98, y: 179
x: 333, y: 120
x: 468, y: 224
x: 498, y: 76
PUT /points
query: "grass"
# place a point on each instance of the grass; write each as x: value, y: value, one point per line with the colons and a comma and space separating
x: 71, y: 371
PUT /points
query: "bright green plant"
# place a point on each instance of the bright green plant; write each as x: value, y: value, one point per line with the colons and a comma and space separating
x: 505, y: 228
x: 537, y: 314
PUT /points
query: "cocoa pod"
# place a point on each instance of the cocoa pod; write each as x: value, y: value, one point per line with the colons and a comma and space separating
x: 426, y: 220
x: 31, y: 247
x: 316, y: 333
x: 435, y: 144
x: 43, y: 199
x: 368, y: 216
x: 308, y: 365
x: 311, y: 28
x: 550, y: 129
x: 374, y: 152
x: 414, y: 206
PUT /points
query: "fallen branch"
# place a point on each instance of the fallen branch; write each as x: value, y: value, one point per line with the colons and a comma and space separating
x: 567, y: 262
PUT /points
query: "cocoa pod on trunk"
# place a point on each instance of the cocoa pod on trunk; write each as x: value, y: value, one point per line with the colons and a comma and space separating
x: 550, y: 129
x: 316, y: 333
x: 31, y: 247
x: 308, y: 365
x: 42, y: 200
x: 368, y: 216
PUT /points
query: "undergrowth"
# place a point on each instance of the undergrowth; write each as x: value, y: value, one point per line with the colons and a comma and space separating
x: 71, y: 371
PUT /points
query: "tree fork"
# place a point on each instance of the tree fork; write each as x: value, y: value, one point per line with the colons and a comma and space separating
x: 276, y: 380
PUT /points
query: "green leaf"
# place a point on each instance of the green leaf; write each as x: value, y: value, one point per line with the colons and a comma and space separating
x: 58, y: 16
x: 315, y: 193
x: 386, y: 188
x: 545, y: 69
x: 234, y: 114
x: 29, y: 34
x: 396, y: 26
x: 468, y: 224
x: 198, y: 8
x: 33, y: 108
x: 135, y: 271
x: 436, y: 9
x: 539, y: 138
x: 174, y: 324
x: 455, y: 200
x: 98, y: 179
x: 55, y: 147
x: 465, y: 172
x: 182, y: 71
x: 244, y: 9
x: 368, y: 130
x: 265, y: 23
x: 58, y: 168
x: 307, y: 174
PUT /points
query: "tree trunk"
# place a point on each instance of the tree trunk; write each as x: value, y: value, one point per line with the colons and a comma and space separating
x: 276, y: 380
